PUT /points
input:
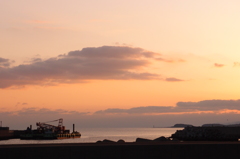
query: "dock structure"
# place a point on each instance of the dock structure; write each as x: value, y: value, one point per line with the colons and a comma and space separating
x: 5, y: 133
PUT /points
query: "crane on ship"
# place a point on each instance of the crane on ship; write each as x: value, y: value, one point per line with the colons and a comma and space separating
x: 44, y: 126
x: 45, y: 130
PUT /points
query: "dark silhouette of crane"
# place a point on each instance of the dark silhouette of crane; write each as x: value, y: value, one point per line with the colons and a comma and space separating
x: 45, y: 127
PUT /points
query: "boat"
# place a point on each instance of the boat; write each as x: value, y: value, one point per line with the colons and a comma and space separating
x: 46, y: 131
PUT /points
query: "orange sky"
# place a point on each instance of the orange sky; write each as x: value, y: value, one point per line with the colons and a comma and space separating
x: 94, y: 56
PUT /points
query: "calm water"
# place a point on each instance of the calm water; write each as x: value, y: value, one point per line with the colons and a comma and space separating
x: 95, y: 134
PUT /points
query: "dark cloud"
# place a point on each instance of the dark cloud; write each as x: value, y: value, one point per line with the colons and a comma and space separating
x: 33, y: 60
x: 218, y: 65
x: 172, y: 79
x: 4, y: 62
x: 181, y: 107
x: 100, y: 63
x: 118, y: 52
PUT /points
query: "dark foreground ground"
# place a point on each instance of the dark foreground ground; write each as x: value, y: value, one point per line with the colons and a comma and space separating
x: 160, y: 150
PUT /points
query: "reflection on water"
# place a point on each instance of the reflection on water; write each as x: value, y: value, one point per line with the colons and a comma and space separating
x: 95, y: 134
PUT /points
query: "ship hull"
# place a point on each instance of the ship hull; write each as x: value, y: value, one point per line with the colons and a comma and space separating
x: 48, y: 136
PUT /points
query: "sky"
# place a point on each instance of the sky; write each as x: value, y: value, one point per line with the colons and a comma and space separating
x: 112, y: 63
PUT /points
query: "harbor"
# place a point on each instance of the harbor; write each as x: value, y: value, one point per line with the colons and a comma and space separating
x: 120, y: 143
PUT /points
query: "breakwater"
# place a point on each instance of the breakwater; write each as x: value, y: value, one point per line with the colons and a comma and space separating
x: 218, y: 133
x: 6, y: 134
x: 169, y: 150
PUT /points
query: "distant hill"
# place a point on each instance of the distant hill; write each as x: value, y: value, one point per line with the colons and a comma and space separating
x: 181, y: 125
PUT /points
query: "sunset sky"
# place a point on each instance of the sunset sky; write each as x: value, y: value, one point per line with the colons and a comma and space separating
x: 112, y: 63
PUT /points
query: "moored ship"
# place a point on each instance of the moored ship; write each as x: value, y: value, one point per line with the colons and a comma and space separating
x: 46, y: 131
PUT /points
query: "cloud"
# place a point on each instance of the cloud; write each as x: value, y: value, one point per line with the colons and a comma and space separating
x: 20, y: 119
x: 93, y: 63
x: 18, y: 104
x: 169, y: 60
x: 4, y: 62
x: 181, y: 107
x: 81, y: 121
x: 32, y: 111
x: 138, y: 110
x: 236, y: 64
x: 213, y: 106
x: 218, y: 65
x: 165, y: 60
x: 172, y: 79
x: 205, y: 106
x: 202, y: 112
x: 210, y: 105
x: 122, y: 52
x: 33, y: 60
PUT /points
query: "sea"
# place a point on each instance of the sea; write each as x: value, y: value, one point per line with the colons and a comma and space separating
x: 91, y: 135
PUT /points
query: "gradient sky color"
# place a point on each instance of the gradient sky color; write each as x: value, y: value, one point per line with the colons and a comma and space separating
x: 109, y: 58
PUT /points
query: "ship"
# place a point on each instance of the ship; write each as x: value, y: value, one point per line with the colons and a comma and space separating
x: 46, y: 131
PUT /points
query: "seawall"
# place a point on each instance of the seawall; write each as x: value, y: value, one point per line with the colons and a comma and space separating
x: 219, y: 133
x: 168, y: 150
